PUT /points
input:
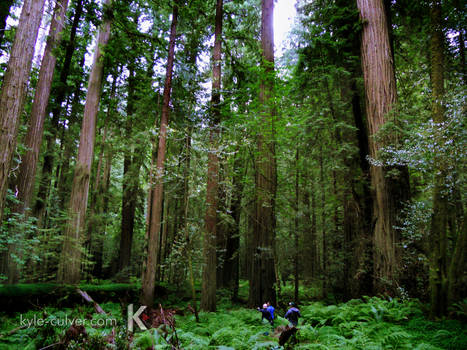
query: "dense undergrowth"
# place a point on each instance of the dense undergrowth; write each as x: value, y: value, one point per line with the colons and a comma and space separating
x: 368, y: 323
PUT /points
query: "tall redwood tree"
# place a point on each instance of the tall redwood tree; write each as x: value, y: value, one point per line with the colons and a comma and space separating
x: 156, y: 181
x: 70, y: 259
x: 14, y: 87
x: 208, y: 297
x: 389, y: 190
x: 262, y: 281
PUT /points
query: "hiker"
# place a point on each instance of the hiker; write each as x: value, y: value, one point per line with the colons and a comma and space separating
x: 292, y: 314
x: 271, y: 309
x: 266, y: 314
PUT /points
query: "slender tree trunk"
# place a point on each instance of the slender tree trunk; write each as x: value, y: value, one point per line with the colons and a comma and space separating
x: 59, y: 94
x: 5, y: 6
x: 439, y: 219
x: 389, y: 190
x: 157, y: 186
x: 65, y: 177
x: 262, y: 283
x: 324, y: 238
x: 208, y: 297
x: 14, y: 87
x: 131, y: 180
x: 296, y: 246
x: 70, y: 259
x: 231, y: 269
x: 457, y: 268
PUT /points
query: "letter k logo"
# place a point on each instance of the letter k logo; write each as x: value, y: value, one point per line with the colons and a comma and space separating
x: 135, y: 317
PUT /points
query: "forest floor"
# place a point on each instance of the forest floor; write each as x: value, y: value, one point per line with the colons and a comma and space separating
x: 367, y: 323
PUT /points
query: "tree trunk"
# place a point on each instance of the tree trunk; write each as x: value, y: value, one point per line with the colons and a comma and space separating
x: 381, y: 95
x: 33, y: 140
x: 231, y: 269
x: 324, y: 238
x: 5, y: 6
x: 59, y: 94
x: 131, y: 179
x: 296, y: 246
x: 457, y: 269
x: 208, y: 297
x: 14, y: 87
x: 70, y: 259
x: 439, y: 219
x: 157, y: 186
x: 262, y: 283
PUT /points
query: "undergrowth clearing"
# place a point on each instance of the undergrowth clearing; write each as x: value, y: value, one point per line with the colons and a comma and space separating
x: 369, y: 323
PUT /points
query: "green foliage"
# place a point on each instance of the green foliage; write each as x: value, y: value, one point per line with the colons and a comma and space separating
x: 372, y: 323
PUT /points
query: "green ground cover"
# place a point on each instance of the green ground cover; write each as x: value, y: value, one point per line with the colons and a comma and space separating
x: 370, y: 323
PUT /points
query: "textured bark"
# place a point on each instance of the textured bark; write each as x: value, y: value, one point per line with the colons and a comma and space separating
x: 208, y: 297
x: 14, y: 87
x: 70, y: 259
x: 262, y: 282
x: 439, y: 219
x: 33, y: 140
x: 5, y: 6
x: 59, y: 93
x: 156, y: 181
x: 381, y: 96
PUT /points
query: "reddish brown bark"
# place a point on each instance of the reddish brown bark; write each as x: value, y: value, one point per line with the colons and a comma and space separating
x: 208, y: 297
x: 70, y: 259
x: 156, y: 181
x: 33, y: 140
x: 39, y: 210
x: 263, y: 276
x: 381, y: 97
x: 439, y: 220
x: 14, y: 87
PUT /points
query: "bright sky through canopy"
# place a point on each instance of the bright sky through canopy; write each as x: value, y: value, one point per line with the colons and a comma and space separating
x: 284, y: 14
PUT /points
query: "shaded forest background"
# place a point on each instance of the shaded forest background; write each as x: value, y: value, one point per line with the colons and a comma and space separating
x: 166, y: 160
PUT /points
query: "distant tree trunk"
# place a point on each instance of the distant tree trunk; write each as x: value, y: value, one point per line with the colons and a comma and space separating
x: 296, y: 246
x: 67, y: 138
x: 231, y: 269
x: 262, y: 283
x: 39, y: 210
x: 70, y: 259
x: 457, y: 268
x: 208, y: 297
x: 5, y: 6
x: 14, y: 87
x: 157, y: 186
x: 324, y: 238
x: 439, y: 220
x: 131, y: 179
x: 99, y: 195
x: 389, y: 190
x: 358, y: 212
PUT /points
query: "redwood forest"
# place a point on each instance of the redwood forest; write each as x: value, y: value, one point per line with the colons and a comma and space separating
x: 233, y: 174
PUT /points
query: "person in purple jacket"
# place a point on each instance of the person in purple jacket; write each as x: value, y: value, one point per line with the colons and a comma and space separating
x: 292, y: 314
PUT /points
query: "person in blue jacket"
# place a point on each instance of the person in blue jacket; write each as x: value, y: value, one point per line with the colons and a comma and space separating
x: 292, y: 314
x: 267, y: 312
x: 270, y: 309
